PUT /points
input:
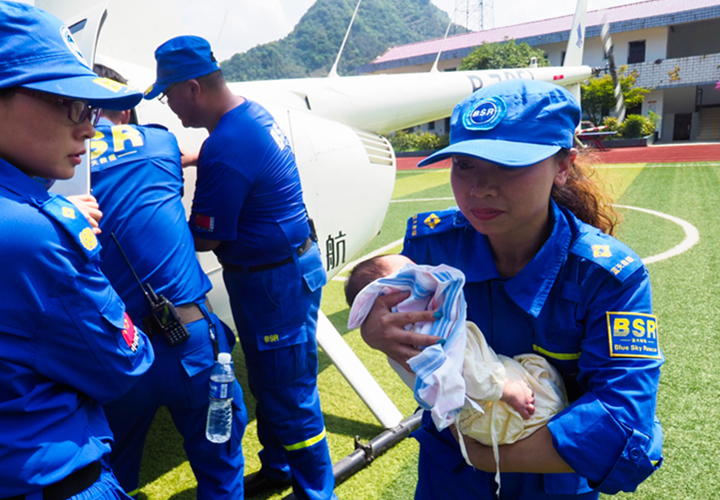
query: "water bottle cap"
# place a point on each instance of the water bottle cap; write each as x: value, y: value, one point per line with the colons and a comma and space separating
x: 225, y: 358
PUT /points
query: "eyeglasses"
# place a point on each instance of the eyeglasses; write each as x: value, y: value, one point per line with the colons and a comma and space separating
x: 164, y: 96
x: 77, y: 111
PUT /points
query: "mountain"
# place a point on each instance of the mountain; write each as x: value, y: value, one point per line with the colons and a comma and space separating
x: 311, y: 48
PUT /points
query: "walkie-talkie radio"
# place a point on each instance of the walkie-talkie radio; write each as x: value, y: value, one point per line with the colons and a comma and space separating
x: 167, y: 320
x: 164, y: 318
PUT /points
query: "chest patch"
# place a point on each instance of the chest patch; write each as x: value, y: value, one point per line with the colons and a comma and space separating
x: 633, y: 335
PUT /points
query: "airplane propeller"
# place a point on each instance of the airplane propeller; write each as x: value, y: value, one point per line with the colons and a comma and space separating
x: 619, y: 110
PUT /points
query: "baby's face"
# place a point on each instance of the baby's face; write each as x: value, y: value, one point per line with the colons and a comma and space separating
x: 394, y: 263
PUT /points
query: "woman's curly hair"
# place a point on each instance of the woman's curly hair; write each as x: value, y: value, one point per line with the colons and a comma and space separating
x: 585, y: 196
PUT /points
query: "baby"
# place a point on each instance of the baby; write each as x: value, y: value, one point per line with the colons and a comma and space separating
x: 516, y: 393
x: 491, y: 398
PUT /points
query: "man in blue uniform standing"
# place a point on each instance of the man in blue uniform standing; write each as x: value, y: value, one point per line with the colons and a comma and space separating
x: 137, y: 179
x: 248, y: 208
x: 66, y: 343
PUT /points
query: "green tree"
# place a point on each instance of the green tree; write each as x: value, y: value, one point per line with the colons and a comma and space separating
x: 633, y: 127
x: 500, y: 55
x: 417, y: 141
x: 598, y: 98
x: 268, y: 61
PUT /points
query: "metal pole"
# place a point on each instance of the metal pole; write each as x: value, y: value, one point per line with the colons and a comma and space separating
x: 364, y: 454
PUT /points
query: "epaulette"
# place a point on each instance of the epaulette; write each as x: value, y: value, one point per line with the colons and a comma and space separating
x: 73, y: 221
x: 156, y: 125
x: 435, y: 222
x: 608, y: 253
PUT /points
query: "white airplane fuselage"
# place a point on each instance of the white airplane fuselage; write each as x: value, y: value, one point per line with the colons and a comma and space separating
x: 334, y: 125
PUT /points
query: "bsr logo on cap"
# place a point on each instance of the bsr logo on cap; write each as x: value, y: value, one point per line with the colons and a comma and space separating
x: 486, y: 114
x: 72, y: 45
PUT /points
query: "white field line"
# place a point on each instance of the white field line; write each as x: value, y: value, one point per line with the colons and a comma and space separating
x: 692, y: 237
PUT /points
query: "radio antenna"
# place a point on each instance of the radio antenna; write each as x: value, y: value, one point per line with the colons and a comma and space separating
x: 137, y: 278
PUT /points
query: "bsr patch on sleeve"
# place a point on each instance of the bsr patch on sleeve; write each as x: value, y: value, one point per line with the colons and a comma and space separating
x: 633, y: 335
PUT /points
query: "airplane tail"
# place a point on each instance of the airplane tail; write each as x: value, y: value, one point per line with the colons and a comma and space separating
x: 576, y: 43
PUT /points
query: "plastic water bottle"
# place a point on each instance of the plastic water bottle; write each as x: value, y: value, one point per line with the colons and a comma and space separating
x: 219, y: 417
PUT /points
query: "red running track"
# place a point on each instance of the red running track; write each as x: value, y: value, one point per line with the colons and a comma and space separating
x: 659, y: 153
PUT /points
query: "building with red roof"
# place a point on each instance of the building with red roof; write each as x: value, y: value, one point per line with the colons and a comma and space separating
x: 674, y: 45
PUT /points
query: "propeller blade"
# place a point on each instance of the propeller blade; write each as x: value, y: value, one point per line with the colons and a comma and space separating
x: 619, y: 110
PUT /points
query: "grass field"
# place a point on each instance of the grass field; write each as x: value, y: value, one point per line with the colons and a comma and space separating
x: 685, y: 292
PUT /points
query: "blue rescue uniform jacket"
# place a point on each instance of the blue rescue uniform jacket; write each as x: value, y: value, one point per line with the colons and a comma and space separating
x: 248, y: 193
x: 584, y: 303
x: 66, y: 343
x: 137, y: 179
x: 138, y: 182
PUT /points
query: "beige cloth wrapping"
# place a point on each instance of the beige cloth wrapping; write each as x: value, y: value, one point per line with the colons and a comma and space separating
x: 490, y: 420
x: 493, y: 422
x: 484, y: 417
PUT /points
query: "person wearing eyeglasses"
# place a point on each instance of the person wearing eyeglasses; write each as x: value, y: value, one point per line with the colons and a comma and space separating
x: 248, y: 208
x: 66, y: 343
x: 138, y: 181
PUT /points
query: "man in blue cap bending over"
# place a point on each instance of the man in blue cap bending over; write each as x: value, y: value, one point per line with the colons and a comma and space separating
x: 66, y: 343
x: 138, y: 181
x: 248, y: 208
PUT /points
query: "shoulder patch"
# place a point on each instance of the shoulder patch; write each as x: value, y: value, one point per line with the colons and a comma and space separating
x: 609, y: 253
x: 633, y: 335
x: 74, y: 223
x: 435, y: 222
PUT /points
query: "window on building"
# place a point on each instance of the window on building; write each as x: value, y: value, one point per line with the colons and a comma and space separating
x: 431, y: 125
x: 698, y: 98
x: 447, y: 125
x: 562, y: 58
x: 635, y: 110
x: 636, y: 52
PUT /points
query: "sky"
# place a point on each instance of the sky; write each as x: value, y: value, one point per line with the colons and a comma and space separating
x: 234, y: 26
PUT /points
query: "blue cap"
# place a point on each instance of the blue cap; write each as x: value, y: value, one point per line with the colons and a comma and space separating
x: 38, y: 52
x: 515, y: 123
x: 179, y: 59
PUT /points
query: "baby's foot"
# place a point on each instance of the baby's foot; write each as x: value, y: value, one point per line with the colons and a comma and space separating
x: 520, y: 397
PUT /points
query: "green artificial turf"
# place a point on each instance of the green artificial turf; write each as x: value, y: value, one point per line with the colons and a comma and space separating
x: 686, y: 289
